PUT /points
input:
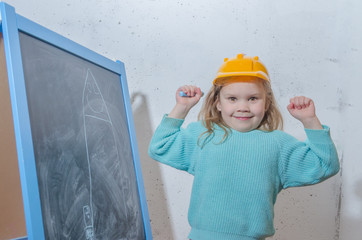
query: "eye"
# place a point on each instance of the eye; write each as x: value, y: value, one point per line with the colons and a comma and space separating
x: 232, y: 99
x: 253, y: 99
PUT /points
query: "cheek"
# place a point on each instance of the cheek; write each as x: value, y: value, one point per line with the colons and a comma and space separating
x: 262, y: 109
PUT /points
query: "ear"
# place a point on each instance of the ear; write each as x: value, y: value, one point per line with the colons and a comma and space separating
x: 267, y: 104
x: 218, y: 106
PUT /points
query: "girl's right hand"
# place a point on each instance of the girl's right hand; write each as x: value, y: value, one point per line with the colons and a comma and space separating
x: 184, y: 104
x: 193, y: 95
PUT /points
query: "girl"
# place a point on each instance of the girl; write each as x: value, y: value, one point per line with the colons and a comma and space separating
x: 239, y: 158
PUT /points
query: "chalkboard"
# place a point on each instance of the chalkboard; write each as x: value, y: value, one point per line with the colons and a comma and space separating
x: 82, y: 145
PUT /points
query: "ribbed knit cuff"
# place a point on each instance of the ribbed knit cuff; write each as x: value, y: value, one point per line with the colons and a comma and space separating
x: 318, y: 135
x: 197, y: 234
x: 169, y: 122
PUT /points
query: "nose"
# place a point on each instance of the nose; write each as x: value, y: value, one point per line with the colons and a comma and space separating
x: 243, y: 106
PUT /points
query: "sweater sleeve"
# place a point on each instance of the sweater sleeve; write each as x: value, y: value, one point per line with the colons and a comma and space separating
x: 309, y: 162
x: 173, y: 145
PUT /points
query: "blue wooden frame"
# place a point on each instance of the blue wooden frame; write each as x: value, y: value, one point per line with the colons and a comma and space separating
x: 11, y: 25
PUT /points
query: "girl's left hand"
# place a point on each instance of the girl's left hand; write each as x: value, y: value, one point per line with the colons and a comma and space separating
x: 303, y: 109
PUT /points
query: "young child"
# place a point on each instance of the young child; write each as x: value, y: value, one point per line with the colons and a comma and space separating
x: 239, y: 158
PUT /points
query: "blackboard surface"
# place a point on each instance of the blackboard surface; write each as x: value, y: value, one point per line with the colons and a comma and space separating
x: 82, y: 148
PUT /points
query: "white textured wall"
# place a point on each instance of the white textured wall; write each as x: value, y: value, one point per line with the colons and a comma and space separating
x: 310, y: 47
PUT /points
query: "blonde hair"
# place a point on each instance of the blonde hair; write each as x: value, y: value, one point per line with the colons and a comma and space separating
x: 210, y: 115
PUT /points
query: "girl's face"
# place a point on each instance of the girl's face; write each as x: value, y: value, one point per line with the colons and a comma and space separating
x: 242, y: 105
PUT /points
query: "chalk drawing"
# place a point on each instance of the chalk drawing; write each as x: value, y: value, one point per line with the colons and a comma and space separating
x: 88, y: 222
x: 94, y: 107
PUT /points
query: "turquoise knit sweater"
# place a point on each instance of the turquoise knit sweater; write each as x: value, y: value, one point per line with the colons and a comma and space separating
x: 236, y: 182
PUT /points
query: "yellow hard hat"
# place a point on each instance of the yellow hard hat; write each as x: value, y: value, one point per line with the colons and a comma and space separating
x: 242, y: 66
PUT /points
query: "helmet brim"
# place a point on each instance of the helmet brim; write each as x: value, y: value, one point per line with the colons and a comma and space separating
x: 240, y: 77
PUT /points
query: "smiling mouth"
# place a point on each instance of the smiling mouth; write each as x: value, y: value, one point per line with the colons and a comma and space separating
x: 243, y: 118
